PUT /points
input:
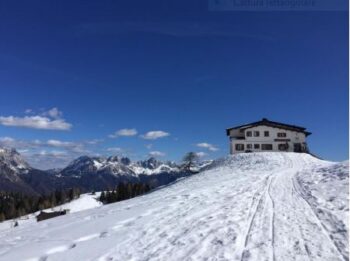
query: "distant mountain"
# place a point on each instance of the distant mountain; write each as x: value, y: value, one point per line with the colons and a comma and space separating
x: 11, y: 167
x: 11, y: 160
x: 100, y: 173
x: 87, y: 173
x: 54, y: 171
x: 117, y: 166
x: 16, y: 175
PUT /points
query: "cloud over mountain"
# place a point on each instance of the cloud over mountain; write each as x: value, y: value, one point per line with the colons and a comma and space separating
x: 201, y: 154
x: 208, y: 146
x: 156, y: 154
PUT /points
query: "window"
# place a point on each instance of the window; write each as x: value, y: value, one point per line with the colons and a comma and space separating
x: 266, y: 133
x: 249, y: 133
x: 281, y: 134
x: 266, y: 146
x: 256, y: 133
x: 256, y: 146
x: 249, y: 146
x: 239, y: 147
x: 282, y: 147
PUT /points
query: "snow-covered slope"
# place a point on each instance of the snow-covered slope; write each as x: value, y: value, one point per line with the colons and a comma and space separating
x: 84, y: 202
x: 264, y: 206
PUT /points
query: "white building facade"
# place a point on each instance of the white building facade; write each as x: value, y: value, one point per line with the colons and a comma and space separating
x: 267, y: 135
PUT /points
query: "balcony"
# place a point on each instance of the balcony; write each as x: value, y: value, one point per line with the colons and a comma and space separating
x: 238, y: 138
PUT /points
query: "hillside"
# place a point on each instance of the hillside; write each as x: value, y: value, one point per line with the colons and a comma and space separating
x: 263, y: 206
x: 85, y: 201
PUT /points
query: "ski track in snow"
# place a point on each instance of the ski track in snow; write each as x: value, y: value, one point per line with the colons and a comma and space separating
x: 252, y: 207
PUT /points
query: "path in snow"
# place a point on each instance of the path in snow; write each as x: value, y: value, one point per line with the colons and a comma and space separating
x: 284, y: 226
x: 252, y: 207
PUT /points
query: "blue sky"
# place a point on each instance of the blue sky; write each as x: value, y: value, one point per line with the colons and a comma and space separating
x: 84, y: 70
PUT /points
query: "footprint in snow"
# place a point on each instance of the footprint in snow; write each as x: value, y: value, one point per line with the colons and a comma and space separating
x: 163, y: 234
x: 103, y: 234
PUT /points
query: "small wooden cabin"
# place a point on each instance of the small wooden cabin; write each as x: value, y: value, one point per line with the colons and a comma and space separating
x: 47, y: 215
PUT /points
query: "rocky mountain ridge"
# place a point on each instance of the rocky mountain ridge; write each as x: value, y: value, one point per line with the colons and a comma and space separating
x: 86, y: 172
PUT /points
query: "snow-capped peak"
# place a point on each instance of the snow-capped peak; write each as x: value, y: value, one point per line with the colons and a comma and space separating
x: 10, y: 158
x: 116, y: 165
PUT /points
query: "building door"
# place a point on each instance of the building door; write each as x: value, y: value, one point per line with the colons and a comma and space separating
x: 297, y: 147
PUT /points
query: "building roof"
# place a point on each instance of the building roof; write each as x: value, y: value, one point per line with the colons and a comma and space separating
x: 266, y: 122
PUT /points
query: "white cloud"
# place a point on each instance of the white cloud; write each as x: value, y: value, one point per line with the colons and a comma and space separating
x: 48, y: 120
x: 7, y: 139
x: 153, y: 135
x: 156, y: 154
x: 201, y: 154
x: 50, y: 153
x: 58, y: 143
x: 24, y: 151
x: 149, y: 146
x: 35, y: 122
x: 46, y: 159
x: 94, y: 141
x: 124, y: 133
x: 53, y: 113
x: 77, y: 147
x: 72, y: 147
x: 208, y: 146
x: 18, y: 144
x: 37, y: 142
x: 114, y: 149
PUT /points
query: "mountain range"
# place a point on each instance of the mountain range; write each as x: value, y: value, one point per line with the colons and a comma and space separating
x: 87, y: 173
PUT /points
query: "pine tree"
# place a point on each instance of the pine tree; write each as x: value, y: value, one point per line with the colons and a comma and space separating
x: 41, y: 204
x: 11, y: 211
x: 147, y: 188
x: 70, y: 194
x: 129, y: 191
x: 103, y: 197
x: 189, y: 161
x: 2, y: 216
x: 63, y: 197
x: 53, y: 200
x: 121, y: 191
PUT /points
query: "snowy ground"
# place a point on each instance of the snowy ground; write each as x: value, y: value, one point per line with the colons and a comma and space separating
x: 84, y: 202
x: 264, y: 206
